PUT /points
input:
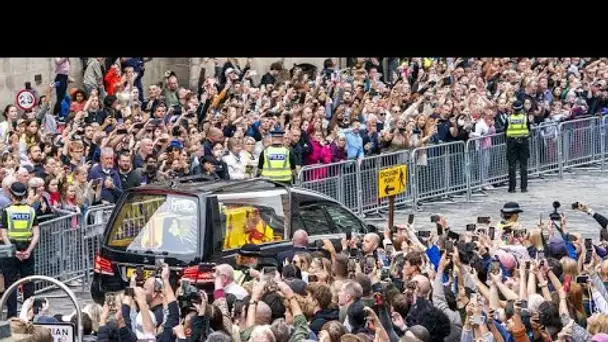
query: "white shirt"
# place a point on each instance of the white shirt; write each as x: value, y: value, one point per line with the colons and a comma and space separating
x: 237, y: 290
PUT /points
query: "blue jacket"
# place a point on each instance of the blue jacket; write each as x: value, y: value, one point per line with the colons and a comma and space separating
x: 106, y: 194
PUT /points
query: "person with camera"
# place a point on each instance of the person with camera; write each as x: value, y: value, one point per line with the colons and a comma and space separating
x: 602, y: 220
x: 19, y: 228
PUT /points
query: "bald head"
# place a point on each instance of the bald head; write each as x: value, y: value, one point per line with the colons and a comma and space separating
x: 215, y: 134
x: 263, y: 314
x: 371, y: 241
x: 300, y: 238
x: 226, y: 272
x: 424, y: 285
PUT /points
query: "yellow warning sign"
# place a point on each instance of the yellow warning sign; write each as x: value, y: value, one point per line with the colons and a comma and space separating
x: 392, y: 181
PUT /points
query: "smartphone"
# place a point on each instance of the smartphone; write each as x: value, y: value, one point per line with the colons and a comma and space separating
x: 483, y: 220
x: 449, y: 246
x: 139, y: 275
x: 492, y: 232
x: 439, y: 229
x: 495, y: 267
x: 453, y: 235
x: 138, y: 125
x: 474, y: 238
x: 349, y: 235
x: 589, y: 248
x: 582, y: 279
x: 269, y: 272
x: 435, y: 218
x: 312, y: 278
x: 482, y: 231
x: 156, y: 122
x: 122, y: 131
x: 574, y: 205
x: 423, y: 233
x: 28, y: 85
x: 471, y: 227
x: 110, y: 301
x: 540, y: 255
x: 523, y: 304
x: 410, y: 218
x: 527, y: 264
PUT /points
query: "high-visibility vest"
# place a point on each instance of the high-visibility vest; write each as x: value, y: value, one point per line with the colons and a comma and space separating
x: 20, y: 219
x: 276, y: 164
x: 518, y: 126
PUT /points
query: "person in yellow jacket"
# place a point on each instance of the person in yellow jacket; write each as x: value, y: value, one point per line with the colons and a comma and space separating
x: 276, y: 162
x: 518, y: 148
x: 251, y: 230
x: 510, y: 217
x: 19, y: 227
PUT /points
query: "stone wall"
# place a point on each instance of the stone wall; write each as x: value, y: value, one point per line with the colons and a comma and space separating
x: 14, y: 72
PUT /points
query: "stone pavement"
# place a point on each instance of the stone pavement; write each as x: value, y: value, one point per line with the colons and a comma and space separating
x: 584, y: 186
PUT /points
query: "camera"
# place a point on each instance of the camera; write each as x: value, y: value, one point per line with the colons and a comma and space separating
x: 188, y: 297
x: 555, y: 216
x: 575, y: 205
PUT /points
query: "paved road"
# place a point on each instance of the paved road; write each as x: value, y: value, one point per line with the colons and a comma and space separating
x: 584, y: 186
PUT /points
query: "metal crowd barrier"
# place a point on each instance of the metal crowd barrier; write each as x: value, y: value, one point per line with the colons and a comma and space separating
x: 445, y: 170
x: 68, y: 244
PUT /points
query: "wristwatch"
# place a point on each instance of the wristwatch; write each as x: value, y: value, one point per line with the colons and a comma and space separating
x: 252, y: 302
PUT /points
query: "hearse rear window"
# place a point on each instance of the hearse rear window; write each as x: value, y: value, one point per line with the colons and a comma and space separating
x: 157, y: 223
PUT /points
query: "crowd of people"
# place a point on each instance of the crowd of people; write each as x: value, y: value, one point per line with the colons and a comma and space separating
x: 498, y: 282
x: 116, y: 133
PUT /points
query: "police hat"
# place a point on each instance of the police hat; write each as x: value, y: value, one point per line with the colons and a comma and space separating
x: 517, y: 106
x: 249, y: 250
x: 511, y: 208
x: 277, y: 133
x: 18, y: 189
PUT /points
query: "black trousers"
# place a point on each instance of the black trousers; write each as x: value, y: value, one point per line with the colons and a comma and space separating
x: 61, y: 90
x: 13, y: 269
x: 518, y: 150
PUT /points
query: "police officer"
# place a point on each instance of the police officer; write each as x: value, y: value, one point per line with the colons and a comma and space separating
x: 19, y: 227
x: 510, y: 216
x: 247, y: 258
x: 277, y: 163
x: 518, y: 150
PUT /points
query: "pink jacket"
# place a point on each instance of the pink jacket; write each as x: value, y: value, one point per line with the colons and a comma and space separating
x: 62, y: 66
x: 318, y: 155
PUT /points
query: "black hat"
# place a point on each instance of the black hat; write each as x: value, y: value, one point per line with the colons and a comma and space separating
x: 249, y: 250
x: 517, y: 106
x: 277, y: 133
x: 18, y: 189
x: 511, y: 208
x: 207, y: 159
x: 29, y: 168
x: 109, y: 100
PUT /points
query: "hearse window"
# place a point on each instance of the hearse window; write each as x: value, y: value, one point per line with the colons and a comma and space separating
x: 315, y: 220
x: 254, y: 217
x: 158, y: 223
x: 343, y: 219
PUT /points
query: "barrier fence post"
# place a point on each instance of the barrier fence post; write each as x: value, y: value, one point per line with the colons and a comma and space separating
x: 468, y: 170
x: 560, y: 151
x: 55, y: 282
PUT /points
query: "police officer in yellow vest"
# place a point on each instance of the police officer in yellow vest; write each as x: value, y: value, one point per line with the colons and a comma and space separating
x: 19, y: 227
x: 518, y: 150
x: 277, y: 163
